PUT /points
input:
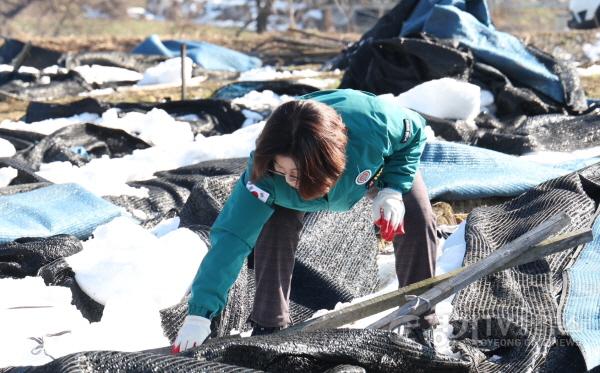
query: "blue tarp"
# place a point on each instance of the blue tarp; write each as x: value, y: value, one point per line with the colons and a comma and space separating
x: 455, y: 171
x: 581, y: 311
x: 56, y: 209
x: 206, y: 55
x: 469, y: 23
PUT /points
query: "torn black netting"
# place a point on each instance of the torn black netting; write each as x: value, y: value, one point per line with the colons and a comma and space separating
x: 38, y: 111
x: 79, y: 144
x: 20, y: 139
x: 25, y: 174
x: 114, y: 361
x: 13, y: 50
x: 25, y: 256
x: 61, y: 85
x: 511, y: 316
x: 317, y: 351
x: 124, y: 60
x: 59, y: 273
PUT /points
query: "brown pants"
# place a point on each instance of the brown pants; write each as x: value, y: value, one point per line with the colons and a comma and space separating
x: 276, y: 247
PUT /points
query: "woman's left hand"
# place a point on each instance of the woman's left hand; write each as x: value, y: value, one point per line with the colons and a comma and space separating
x: 388, y: 213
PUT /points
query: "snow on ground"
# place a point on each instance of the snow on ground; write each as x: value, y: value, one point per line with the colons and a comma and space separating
x: 6, y: 148
x: 99, y: 74
x: 106, y: 176
x: 152, y: 127
x: 29, y: 310
x: 49, y: 126
x: 454, y: 99
x: 133, y: 271
x: 270, y: 73
x: 262, y: 101
x: 592, y: 51
x: 593, y: 70
x: 168, y: 71
x: 22, y: 69
x: 7, y: 174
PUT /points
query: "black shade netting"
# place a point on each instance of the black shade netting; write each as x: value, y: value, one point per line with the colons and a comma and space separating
x: 388, y: 26
x: 214, y: 117
x: 170, y: 190
x: 79, y: 144
x: 131, y: 362
x: 165, y: 199
x: 549, y: 132
x: 398, y: 64
x: 20, y: 188
x: 25, y: 174
x: 509, y: 100
x: 28, y: 55
x: 20, y: 139
x: 24, y: 77
x: 59, y: 273
x: 279, y: 87
x: 38, y: 111
x: 60, y: 86
x: 318, y: 351
x: 25, y: 256
x: 511, y: 316
x: 452, y: 130
x: 124, y: 60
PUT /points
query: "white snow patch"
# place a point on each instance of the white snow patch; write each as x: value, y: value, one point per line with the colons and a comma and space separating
x: 7, y: 174
x: 168, y: 71
x: 593, y: 70
x: 265, y: 100
x: 270, y: 73
x: 156, y: 127
x: 445, y: 98
x: 48, y: 126
x: 124, y: 259
x: 102, y: 74
x: 7, y: 149
x: 30, y: 309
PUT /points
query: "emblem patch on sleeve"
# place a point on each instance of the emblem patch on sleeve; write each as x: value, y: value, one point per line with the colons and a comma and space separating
x: 363, y: 177
x: 407, y: 130
x: 257, y: 192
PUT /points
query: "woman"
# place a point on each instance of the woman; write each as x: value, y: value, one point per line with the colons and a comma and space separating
x: 324, y: 151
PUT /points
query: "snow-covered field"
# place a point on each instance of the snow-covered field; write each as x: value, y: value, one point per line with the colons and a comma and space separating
x: 135, y: 272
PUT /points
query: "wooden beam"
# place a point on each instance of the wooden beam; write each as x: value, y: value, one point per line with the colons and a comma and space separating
x: 397, y: 298
x: 497, y: 260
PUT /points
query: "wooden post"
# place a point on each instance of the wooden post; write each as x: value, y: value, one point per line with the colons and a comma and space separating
x: 183, y: 53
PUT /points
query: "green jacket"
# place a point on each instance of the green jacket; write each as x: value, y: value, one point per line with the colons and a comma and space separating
x: 377, y: 136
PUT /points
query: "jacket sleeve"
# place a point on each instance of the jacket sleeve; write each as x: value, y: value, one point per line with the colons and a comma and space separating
x: 407, y: 140
x: 233, y: 236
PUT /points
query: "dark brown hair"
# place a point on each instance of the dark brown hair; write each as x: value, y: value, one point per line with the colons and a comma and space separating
x: 313, y: 135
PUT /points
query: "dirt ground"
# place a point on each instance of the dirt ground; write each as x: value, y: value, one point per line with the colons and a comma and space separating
x: 278, y: 47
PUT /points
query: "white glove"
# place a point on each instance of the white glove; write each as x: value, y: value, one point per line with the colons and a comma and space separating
x: 192, y: 333
x: 388, y: 213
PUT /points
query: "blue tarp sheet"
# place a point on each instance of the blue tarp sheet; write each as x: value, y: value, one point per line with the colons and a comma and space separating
x: 581, y: 311
x: 469, y: 23
x: 56, y: 209
x: 206, y: 55
x: 455, y: 171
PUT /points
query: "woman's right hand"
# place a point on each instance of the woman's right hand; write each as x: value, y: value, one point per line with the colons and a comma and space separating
x: 193, y: 332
